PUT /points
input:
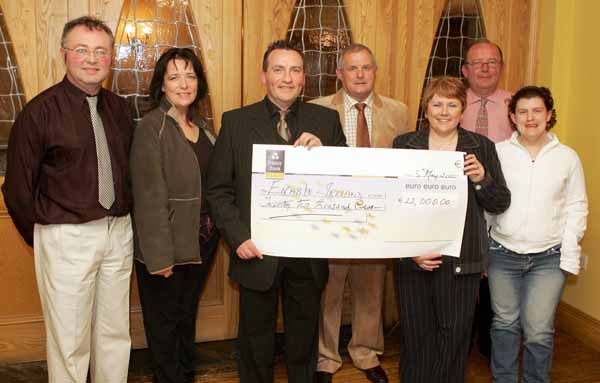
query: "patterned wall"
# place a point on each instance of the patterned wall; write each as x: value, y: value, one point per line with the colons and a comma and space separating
x: 146, y: 29
x: 12, y: 98
x: 461, y: 23
x: 321, y: 31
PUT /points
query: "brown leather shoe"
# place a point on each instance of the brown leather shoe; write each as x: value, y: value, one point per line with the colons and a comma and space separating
x: 376, y: 374
x: 323, y: 377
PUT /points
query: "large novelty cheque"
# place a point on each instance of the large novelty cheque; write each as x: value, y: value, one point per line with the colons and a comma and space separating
x: 333, y: 202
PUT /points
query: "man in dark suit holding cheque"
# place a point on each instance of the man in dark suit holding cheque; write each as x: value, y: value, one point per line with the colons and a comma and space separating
x: 280, y: 118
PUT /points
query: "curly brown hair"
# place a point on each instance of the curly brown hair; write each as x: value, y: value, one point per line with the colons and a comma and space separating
x: 532, y: 91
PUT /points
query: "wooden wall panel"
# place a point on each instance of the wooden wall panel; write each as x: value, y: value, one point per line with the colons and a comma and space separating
x: 508, y: 23
x: 424, y: 16
x: 233, y: 70
x: 208, y: 15
x: 231, y: 89
x: 51, y: 15
x: 263, y: 22
x: 518, y: 45
x: 578, y: 324
x: 400, y: 33
x: 219, y: 21
x: 20, y: 19
x: 107, y: 10
x: 234, y: 35
x: 22, y: 338
x: 217, y: 315
x: 77, y: 8
x: 17, y: 271
x: 21, y: 322
x: 390, y: 47
x: 362, y: 15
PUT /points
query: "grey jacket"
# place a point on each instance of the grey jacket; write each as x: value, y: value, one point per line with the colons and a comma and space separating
x: 166, y: 185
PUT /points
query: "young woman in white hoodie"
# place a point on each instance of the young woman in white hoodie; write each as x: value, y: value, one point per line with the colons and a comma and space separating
x: 535, y: 243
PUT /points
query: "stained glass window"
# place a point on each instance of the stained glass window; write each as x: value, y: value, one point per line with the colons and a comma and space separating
x: 460, y: 24
x: 146, y: 29
x: 12, y: 97
x: 320, y: 29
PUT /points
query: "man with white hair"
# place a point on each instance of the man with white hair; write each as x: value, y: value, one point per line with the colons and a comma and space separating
x: 368, y: 120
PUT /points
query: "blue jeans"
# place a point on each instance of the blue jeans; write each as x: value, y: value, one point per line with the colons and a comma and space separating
x: 525, y: 290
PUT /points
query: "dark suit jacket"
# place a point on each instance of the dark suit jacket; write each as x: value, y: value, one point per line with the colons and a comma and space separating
x: 491, y: 195
x: 230, y: 176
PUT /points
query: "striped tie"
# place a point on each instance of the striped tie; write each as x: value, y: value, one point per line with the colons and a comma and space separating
x: 481, y: 126
x: 106, y: 189
x: 282, y: 128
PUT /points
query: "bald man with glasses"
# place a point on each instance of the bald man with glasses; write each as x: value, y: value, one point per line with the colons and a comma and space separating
x: 486, y: 114
x: 487, y: 105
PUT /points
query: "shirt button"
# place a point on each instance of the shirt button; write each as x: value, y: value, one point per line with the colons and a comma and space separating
x: 458, y: 269
x: 477, y: 187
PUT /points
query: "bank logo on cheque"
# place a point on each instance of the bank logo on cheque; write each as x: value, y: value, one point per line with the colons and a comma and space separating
x: 275, y: 164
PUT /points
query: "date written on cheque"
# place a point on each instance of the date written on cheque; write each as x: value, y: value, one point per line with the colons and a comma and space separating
x: 424, y: 201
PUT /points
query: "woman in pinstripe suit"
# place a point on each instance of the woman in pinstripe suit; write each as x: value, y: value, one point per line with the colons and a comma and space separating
x: 436, y: 293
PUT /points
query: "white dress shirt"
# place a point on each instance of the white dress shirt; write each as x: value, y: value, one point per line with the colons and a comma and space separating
x: 351, y: 118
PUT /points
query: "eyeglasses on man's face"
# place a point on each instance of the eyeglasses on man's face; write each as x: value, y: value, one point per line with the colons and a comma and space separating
x: 492, y: 63
x: 83, y: 52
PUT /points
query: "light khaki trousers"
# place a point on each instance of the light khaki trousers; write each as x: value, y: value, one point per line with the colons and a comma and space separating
x: 366, y: 279
x: 83, y: 273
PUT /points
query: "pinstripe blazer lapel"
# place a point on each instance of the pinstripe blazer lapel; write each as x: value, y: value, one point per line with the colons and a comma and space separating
x: 420, y: 140
x: 466, y: 140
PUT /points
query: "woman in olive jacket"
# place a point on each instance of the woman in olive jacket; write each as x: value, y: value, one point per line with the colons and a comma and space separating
x: 437, y: 293
x: 175, y: 240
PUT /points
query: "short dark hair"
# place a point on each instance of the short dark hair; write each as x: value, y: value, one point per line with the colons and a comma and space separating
x: 279, y: 44
x: 532, y: 91
x: 445, y: 86
x: 91, y: 23
x: 353, y: 48
x: 483, y: 41
x: 187, y: 55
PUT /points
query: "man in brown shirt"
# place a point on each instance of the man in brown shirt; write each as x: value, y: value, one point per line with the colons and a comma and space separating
x: 66, y: 189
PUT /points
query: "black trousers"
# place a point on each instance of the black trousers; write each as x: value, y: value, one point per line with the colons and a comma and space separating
x: 483, y: 320
x: 258, y: 317
x: 436, y: 315
x: 169, y: 307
